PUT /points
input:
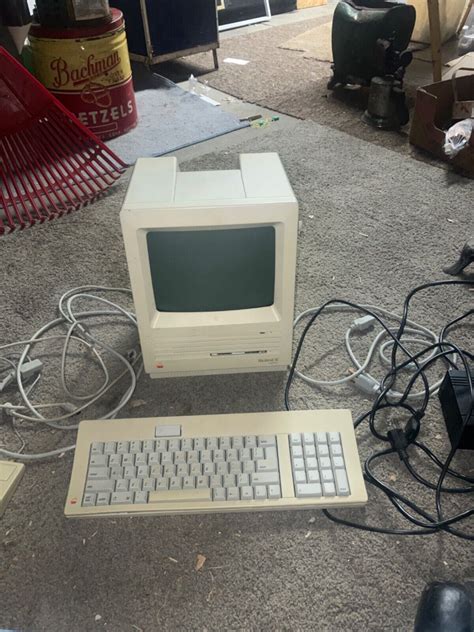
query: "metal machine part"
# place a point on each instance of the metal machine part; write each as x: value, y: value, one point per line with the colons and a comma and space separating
x: 369, y: 39
x: 386, y: 108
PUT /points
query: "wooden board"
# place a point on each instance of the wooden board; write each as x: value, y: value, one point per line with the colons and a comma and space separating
x: 305, y: 4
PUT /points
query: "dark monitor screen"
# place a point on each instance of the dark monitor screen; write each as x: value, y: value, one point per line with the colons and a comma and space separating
x: 212, y: 270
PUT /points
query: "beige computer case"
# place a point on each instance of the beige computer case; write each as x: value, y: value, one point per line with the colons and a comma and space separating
x: 259, y: 193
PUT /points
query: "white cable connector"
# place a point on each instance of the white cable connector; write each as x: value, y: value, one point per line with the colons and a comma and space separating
x: 366, y: 384
x: 28, y: 369
x: 364, y: 323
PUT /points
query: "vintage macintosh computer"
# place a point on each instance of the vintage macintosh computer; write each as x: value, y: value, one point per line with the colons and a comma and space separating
x: 212, y: 262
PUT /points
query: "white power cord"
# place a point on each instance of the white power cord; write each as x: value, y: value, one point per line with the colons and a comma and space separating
x: 75, y: 324
x: 360, y: 377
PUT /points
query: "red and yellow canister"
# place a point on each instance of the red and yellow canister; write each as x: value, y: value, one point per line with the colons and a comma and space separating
x: 88, y: 70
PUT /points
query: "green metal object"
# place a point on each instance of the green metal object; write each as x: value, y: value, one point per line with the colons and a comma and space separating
x: 369, y: 38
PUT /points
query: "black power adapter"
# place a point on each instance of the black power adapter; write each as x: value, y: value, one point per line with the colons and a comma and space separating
x: 456, y: 402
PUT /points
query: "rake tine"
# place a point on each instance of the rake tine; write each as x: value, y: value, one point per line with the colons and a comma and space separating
x: 44, y: 171
x: 11, y: 195
x: 77, y: 155
x: 16, y: 164
x: 66, y: 162
x: 33, y: 178
x: 116, y: 163
x: 57, y: 179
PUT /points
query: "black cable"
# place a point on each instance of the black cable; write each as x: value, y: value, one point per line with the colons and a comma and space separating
x: 427, y: 524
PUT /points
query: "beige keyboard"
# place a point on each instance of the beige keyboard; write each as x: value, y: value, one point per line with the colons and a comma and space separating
x: 215, y: 463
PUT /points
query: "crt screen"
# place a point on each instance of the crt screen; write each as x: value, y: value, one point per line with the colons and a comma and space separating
x: 212, y: 270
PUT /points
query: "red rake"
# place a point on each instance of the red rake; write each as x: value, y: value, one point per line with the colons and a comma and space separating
x: 50, y: 163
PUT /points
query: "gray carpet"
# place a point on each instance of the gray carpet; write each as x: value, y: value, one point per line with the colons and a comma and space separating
x: 374, y: 225
x: 288, y: 82
x: 169, y: 118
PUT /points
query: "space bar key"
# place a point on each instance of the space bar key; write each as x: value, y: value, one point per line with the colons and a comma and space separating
x: 179, y: 496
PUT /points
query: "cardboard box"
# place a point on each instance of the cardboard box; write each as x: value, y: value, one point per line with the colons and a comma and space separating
x: 432, y: 117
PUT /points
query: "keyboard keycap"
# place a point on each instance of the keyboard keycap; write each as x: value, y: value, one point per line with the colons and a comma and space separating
x: 246, y: 493
x: 323, y: 449
x: 176, y: 482
x: 135, y: 447
x: 140, y: 498
x: 180, y: 457
x: 121, y: 498
x: 187, y: 444
x: 300, y: 477
x: 188, y: 482
x: 193, y: 456
x: 200, y: 443
x: 100, y: 486
x: 250, y: 441
x: 308, y: 438
x: 219, y: 494
x: 266, y: 441
x: 161, y: 445
x: 149, y: 484
x: 237, y: 442
x: 311, y: 464
x: 209, y: 469
x: 206, y: 456
x: 89, y: 500
x: 342, y: 483
x: 169, y: 470
x: 274, y: 492
x: 195, y: 469
x: 212, y: 443
x: 233, y: 493
x: 99, y: 460
x: 297, y: 451
x: 336, y: 449
x: 327, y: 476
x: 295, y: 439
x: 215, y: 481
x: 180, y: 496
x: 109, y: 447
x: 245, y: 454
x: 267, y: 466
x: 222, y: 468
x: 135, y: 485
x: 182, y: 469
x: 161, y: 484
x: 148, y: 446
x: 338, y: 461
x: 309, y: 451
x: 248, y: 467
x: 128, y: 459
x: 224, y: 443
x: 329, y: 489
x: 229, y: 480
x: 141, y: 459
x: 174, y: 445
x: 258, y: 453
x: 97, y: 447
x: 232, y: 454
x: 298, y: 464
x: 122, y: 447
x: 325, y: 462
x: 202, y: 482
x: 235, y: 467
x: 103, y: 499
x: 260, y: 492
x: 334, y: 437
x: 308, y: 490
x: 265, y: 478
x: 168, y: 430
x: 122, y: 485
x: 143, y: 471
x: 153, y: 458
x: 219, y: 456
x: 98, y: 473
x: 243, y: 480
x: 313, y: 476
x: 321, y: 437
x: 115, y: 460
